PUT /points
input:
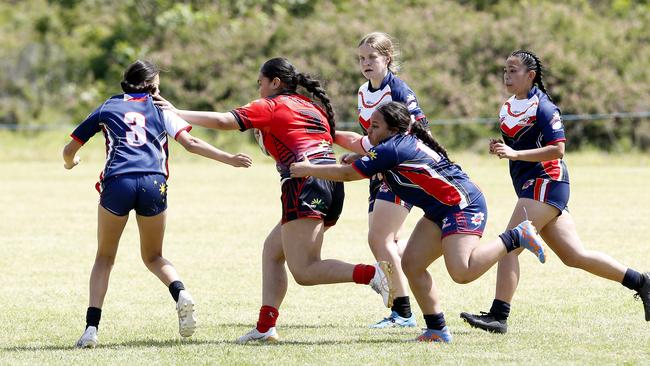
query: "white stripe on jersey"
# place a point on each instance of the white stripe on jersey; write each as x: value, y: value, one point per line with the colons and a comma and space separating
x: 542, y: 190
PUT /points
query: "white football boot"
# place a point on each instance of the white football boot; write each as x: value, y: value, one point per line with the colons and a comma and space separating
x: 88, y: 339
x: 270, y: 336
x: 382, y: 283
x: 186, y: 317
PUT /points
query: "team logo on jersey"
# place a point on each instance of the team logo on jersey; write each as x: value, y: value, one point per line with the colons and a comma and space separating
x: 556, y: 122
x: 478, y: 218
x: 445, y: 223
x: 372, y: 154
x: 528, y: 183
x: 411, y: 103
x: 317, y: 204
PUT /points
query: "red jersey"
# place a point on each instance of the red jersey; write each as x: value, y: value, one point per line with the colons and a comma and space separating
x: 292, y: 126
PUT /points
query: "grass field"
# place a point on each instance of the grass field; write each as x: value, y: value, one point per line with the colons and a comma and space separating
x: 218, y: 218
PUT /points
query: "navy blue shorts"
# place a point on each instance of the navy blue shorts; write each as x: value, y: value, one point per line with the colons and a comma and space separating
x: 552, y: 192
x: 146, y: 193
x: 383, y: 193
x: 312, y: 197
x: 469, y: 220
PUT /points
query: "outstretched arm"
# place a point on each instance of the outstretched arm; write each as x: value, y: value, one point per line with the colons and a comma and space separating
x: 351, y: 141
x: 70, y: 158
x: 197, y: 146
x: 335, y: 172
x: 215, y: 120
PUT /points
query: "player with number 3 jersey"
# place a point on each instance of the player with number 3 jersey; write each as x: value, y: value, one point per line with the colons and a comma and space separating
x: 135, y: 178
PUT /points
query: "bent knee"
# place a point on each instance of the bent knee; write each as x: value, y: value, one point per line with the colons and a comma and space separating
x: 574, y: 260
x: 461, y: 277
x: 150, y: 259
x: 304, y: 279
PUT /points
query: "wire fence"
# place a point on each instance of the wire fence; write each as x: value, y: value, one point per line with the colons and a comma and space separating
x: 344, y: 125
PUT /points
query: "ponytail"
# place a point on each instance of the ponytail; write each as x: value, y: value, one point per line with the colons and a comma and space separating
x: 314, y: 87
x: 397, y: 116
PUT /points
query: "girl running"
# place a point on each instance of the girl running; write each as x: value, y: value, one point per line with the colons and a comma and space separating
x: 135, y: 178
x: 533, y: 141
x: 293, y: 126
x: 416, y: 168
x: 386, y: 211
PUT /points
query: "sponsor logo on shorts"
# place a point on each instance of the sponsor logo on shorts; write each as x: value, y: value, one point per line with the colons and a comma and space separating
x: 445, y: 223
x: 317, y: 204
x: 477, y: 218
x: 528, y: 183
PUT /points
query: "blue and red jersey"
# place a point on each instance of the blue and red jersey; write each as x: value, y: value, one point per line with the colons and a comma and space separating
x: 419, y: 175
x: 530, y: 124
x: 392, y: 89
x: 292, y: 127
x: 136, y: 134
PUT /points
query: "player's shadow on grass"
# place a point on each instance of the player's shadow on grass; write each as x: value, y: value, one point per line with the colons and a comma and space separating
x: 129, y: 344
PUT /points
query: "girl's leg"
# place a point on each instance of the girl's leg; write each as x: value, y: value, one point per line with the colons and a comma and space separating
x: 152, y: 233
x: 385, y: 223
x: 508, y: 268
x: 109, y: 231
x: 423, y: 248
x: 561, y: 235
x: 302, y: 240
x: 274, y: 273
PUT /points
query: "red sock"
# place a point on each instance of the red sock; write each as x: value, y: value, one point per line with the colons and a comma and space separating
x: 268, y: 316
x: 363, y: 273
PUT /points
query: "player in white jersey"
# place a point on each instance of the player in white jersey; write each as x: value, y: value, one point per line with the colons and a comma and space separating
x: 135, y: 178
x: 386, y: 212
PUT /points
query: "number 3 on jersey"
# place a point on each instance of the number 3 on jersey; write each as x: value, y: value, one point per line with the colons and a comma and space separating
x: 136, y: 121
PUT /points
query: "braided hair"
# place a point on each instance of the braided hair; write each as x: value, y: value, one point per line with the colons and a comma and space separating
x: 139, y: 77
x: 396, y: 115
x: 532, y: 62
x: 282, y: 69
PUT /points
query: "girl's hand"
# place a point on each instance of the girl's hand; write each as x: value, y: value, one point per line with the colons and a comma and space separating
x: 504, y: 151
x: 241, y: 160
x: 300, y: 169
x: 164, y: 104
x: 492, y: 143
x: 75, y: 162
x: 349, y: 158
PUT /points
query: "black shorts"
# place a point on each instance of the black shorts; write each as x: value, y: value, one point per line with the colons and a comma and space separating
x: 312, y: 197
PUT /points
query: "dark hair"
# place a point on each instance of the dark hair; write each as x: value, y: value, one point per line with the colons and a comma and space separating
x: 139, y: 76
x: 396, y: 115
x: 282, y: 69
x: 532, y: 62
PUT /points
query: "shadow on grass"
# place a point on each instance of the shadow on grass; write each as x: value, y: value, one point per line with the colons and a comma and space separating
x: 391, y: 338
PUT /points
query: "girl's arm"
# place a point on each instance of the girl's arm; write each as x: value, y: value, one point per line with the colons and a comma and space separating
x: 334, y: 172
x: 546, y: 153
x: 197, y: 146
x: 215, y: 120
x: 351, y: 141
x: 70, y: 157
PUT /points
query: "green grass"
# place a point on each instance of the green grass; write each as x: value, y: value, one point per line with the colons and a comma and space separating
x: 218, y: 218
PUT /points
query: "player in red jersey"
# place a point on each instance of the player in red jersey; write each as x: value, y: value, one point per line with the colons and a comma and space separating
x: 135, y: 178
x: 534, y: 139
x: 293, y: 127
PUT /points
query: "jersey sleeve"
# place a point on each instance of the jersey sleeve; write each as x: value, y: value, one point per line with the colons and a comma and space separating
x: 365, y: 143
x: 379, y: 159
x: 551, y: 126
x: 174, y: 124
x: 88, y: 128
x: 256, y: 114
x: 405, y: 95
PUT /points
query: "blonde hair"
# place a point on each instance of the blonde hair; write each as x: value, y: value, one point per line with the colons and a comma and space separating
x: 385, y: 45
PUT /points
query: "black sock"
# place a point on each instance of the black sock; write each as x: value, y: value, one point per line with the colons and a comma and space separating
x: 633, y: 279
x: 510, y: 240
x: 500, y: 309
x: 175, y: 288
x: 402, y: 306
x: 93, y: 315
x: 435, y: 321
